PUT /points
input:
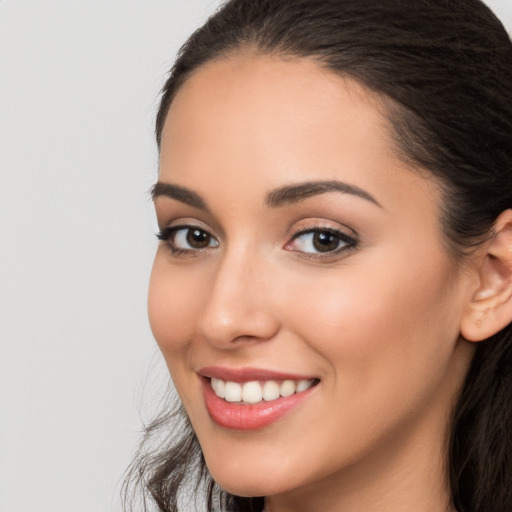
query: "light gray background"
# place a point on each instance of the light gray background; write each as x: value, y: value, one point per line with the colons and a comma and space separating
x: 79, y: 83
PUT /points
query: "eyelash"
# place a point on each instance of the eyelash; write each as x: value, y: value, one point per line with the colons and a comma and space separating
x: 347, y: 242
x: 167, y: 234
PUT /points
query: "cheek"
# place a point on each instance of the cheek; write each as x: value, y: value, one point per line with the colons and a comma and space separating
x: 378, y: 325
x: 174, y: 302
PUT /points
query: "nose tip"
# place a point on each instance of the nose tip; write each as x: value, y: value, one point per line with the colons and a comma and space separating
x: 224, y: 330
x: 237, y: 309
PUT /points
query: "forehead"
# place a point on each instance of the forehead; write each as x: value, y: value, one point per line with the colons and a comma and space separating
x: 255, y: 86
x: 255, y: 105
x: 244, y: 125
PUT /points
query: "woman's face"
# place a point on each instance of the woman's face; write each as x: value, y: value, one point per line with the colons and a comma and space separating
x: 298, y: 247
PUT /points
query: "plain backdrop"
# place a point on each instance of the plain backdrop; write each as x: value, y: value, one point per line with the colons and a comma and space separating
x: 79, y: 84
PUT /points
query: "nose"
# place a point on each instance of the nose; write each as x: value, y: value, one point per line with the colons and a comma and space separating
x: 239, y: 307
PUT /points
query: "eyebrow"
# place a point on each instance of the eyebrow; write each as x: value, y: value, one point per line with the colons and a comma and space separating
x: 297, y: 192
x: 281, y: 196
x: 182, y: 194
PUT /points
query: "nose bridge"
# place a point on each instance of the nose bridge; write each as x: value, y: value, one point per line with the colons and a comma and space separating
x: 238, y: 306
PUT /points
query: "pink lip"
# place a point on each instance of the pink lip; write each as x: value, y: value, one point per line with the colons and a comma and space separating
x: 237, y: 416
x: 248, y: 374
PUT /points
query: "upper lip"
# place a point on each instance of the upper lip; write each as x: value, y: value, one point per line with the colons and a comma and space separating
x: 248, y: 374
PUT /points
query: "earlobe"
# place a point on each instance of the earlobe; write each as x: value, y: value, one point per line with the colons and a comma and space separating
x: 490, y: 308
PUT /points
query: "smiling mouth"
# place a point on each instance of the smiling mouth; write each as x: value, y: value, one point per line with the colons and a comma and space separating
x: 252, y: 398
x: 255, y: 392
x: 249, y: 405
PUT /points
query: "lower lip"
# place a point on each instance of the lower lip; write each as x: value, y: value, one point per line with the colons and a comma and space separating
x: 237, y: 416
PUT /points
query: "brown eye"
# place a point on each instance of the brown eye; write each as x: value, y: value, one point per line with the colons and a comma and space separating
x: 198, y: 238
x: 323, y: 241
x: 187, y: 238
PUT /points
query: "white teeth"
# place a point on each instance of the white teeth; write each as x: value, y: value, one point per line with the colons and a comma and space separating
x: 254, y: 392
x: 233, y: 392
x: 288, y: 388
x: 302, y: 385
x: 219, y: 386
x: 270, y: 390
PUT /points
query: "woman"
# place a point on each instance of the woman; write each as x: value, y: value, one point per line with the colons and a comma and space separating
x: 332, y: 290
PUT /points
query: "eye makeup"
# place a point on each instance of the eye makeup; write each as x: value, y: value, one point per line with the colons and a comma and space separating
x: 312, y: 242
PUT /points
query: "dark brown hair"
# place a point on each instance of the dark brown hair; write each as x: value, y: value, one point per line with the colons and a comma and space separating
x: 444, y: 70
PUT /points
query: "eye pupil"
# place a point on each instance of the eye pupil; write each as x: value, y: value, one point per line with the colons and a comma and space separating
x: 198, y: 238
x: 325, y: 241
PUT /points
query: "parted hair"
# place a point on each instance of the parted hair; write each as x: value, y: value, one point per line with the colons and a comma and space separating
x: 443, y: 69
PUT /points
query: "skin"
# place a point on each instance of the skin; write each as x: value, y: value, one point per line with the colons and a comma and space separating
x: 378, y: 324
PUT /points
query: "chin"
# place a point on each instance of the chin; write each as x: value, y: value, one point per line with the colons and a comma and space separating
x: 249, y: 486
x: 251, y: 481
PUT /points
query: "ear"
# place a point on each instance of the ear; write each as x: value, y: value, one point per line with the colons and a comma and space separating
x: 490, y: 308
